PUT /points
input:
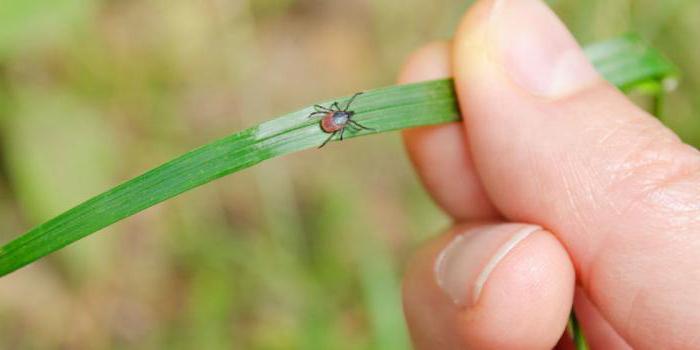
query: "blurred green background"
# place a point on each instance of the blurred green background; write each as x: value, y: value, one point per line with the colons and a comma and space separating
x: 305, y: 251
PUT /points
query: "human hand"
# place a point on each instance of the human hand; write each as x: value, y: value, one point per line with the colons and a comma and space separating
x: 610, y: 196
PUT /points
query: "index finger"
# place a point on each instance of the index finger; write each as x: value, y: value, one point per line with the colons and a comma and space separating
x: 441, y: 153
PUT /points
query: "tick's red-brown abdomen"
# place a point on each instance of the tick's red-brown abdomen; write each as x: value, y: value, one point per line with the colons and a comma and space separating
x: 328, y: 125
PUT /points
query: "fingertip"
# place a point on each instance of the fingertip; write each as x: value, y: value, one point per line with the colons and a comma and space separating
x: 440, y: 153
x: 524, y: 302
x: 441, y: 157
x: 431, y: 61
x: 527, y: 300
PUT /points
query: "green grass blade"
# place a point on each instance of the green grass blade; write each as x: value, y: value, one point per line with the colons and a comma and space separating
x: 627, y: 62
x: 576, y: 333
x: 624, y: 61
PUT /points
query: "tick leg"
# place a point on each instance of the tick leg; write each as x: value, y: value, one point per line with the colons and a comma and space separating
x: 341, y: 133
x: 335, y: 106
x: 354, y: 123
x: 316, y: 113
x: 320, y: 108
x: 350, y: 101
x: 328, y: 139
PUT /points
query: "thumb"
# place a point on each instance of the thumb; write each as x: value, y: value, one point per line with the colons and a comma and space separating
x: 555, y: 145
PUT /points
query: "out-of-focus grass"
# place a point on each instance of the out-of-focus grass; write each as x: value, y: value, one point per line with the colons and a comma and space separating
x: 302, y: 252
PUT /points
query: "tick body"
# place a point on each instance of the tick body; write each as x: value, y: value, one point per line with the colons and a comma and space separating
x: 336, y: 119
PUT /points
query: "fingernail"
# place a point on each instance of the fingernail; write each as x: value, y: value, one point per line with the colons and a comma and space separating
x: 465, y: 264
x: 537, y: 50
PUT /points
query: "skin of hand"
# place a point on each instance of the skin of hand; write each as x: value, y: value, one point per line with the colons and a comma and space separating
x: 563, y: 193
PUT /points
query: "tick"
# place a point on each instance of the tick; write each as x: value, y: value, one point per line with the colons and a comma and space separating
x: 336, y: 119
